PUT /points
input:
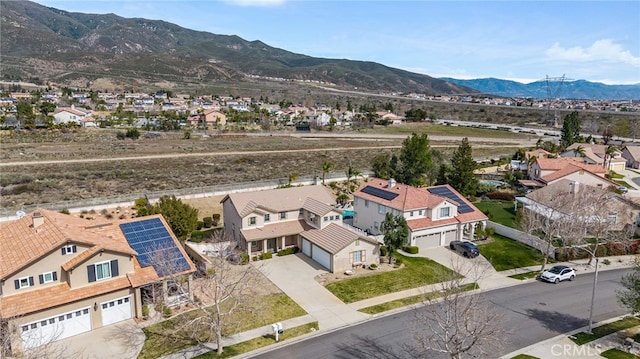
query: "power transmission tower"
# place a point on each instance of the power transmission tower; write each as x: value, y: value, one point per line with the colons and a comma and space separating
x: 553, y: 93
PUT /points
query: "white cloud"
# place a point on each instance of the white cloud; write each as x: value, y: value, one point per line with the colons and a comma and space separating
x: 255, y: 2
x: 601, y: 50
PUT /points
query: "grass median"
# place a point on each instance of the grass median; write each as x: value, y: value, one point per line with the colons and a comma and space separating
x: 403, y: 302
x: 604, y: 330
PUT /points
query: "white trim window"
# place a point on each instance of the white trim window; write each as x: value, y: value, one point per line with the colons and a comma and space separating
x: 445, y: 212
x: 103, y: 270
x: 267, y: 217
x: 252, y: 221
x: 381, y: 209
x: 48, y: 277
x: 69, y: 249
x: 24, y: 282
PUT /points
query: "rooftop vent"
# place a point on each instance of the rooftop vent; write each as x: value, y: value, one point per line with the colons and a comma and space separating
x: 37, y: 219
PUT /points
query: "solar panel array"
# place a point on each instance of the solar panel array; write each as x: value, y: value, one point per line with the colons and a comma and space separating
x: 155, y: 247
x: 446, y: 192
x: 380, y: 193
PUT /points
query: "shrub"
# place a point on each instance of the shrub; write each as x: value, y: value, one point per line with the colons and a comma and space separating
x: 121, y: 135
x: 501, y: 196
x: 197, y: 236
x: 287, y: 251
x: 411, y: 249
x: 145, y: 311
x: 216, y: 219
x: 373, y: 266
x: 383, y: 251
x: 266, y: 255
x: 254, y: 258
x: 606, y: 261
x: 166, y: 312
x: 199, y: 225
x: 133, y: 133
x: 398, y: 261
x: 244, y: 258
x: 207, y: 222
x: 64, y: 211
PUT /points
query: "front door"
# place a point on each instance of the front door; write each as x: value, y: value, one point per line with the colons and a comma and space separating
x: 271, y: 245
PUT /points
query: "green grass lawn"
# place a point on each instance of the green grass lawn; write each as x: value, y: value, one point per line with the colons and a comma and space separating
x: 505, y: 253
x: 526, y: 275
x: 499, y: 212
x: 417, y: 272
x: 604, y: 330
x: 524, y: 356
x: 163, y: 338
x: 617, y: 354
x: 403, y: 302
x: 263, y: 341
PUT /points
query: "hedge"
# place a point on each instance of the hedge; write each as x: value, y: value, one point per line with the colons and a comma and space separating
x: 266, y: 255
x: 502, y: 196
x: 604, y: 249
x: 411, y: 249
x: 197, y: 236
x: 287, y: 251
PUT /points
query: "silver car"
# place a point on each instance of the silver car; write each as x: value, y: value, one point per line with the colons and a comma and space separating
x: 557, y: 274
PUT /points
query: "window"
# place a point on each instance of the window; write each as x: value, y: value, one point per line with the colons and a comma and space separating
x: 613, y: 217
x: 267, y: 217
x: 326, y: 218
x: 48, y: 277
x: 444, y: 212
x: 357, y: 257
x: 420, y: 212
x: 381, y: 209
x: 331, y: 218
x: 69, y: 249
x: 411, y: 214
x: 357, y: 242
x: 252, y: 221
x: 300, y: 212
x: 23, y: 282
x: 366, y: 203
x: 283, y: 215
x: 102, y: 270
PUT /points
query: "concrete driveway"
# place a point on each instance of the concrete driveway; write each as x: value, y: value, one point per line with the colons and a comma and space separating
x: 294, y: 275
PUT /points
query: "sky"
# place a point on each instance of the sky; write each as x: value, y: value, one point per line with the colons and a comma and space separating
x: 524, y: 41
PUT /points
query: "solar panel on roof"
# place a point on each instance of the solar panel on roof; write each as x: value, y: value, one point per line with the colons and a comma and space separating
x: 379, y: 192
x: 463, y: 207
x: 154, y: 245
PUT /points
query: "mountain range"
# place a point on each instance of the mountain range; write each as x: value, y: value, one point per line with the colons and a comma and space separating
x: 99, y: 51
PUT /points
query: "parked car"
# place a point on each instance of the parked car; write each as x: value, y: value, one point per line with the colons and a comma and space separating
x: 623, y: 189
x: 557, y: 274
x: 467, y: 249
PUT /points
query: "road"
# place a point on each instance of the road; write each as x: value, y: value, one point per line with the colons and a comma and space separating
x: 533, y: 312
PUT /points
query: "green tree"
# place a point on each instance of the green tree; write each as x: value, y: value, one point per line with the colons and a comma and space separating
x: 461, y: 176
x: 47, y: 107
x: 416, y: 160
x: 396, y: 233
x: 327, y: 167
x: 415, y: 114
x: 630, y: 295
x: 383, y: 166
x: 24, y: 113
x: 570, y: 132
x: 181, y: 217
x: 443, y: 174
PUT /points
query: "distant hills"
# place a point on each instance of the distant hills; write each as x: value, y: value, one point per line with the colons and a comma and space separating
x: 579, y: 89
x: 106, y: 51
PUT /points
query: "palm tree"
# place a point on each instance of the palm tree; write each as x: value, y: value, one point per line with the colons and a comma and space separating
x: 326, y: 168
x: 580, y: 151
x: 611, y: 150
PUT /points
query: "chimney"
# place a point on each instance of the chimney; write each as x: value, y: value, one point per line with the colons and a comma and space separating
x: 392, y: 183
x: 37, y: 219
x: 574, y: 187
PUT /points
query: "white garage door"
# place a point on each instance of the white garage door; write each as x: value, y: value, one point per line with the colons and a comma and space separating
x: 116, y: 310
x: 450, y: 236
x: 55, y: 328
x: 306, y: 247
x: 428, y: 241
x: 321, y: 256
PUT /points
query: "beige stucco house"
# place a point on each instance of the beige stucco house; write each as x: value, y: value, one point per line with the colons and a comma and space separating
x: 435, y: 215
x: 61, y: 275
x: 302, y: 217
x: 597, y: 154
x: 547, y: 170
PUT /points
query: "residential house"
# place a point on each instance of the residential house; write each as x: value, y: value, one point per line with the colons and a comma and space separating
x: 597, y: 154
x: 435, y: 215
x: 632, y: 156
x: 390, y: 116
x: 303, y: 217
x: 547, y: 170
x: 62, y: 275
x: 213, y: 118
x: 65, y: 115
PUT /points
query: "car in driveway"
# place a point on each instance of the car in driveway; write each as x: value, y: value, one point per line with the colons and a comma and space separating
x: 557, y: 274
x: 467, y: 249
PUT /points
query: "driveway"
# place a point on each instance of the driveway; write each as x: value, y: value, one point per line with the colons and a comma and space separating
x: 294, y: 275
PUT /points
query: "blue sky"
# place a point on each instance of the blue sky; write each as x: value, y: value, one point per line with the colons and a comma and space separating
x: 518, y: 40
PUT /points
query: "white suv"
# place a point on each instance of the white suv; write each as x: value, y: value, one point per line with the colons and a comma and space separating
x: 557, y: 274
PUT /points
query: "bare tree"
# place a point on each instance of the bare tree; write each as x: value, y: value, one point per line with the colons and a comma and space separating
x: 457, y: 322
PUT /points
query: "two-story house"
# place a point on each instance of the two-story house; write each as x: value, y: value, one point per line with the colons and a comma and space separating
x: 65, y: 115
x: 548, y: 170
x: 435, y: 215
x: 303, y: 217
x: 61, y: 275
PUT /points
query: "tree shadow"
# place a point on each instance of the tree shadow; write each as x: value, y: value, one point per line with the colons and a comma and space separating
x: 371, y: 348
x: 556, y: 321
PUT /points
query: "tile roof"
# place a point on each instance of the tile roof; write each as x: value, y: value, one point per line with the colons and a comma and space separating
x: 408, y: 197
x: 280, y: 199
x: 572, y: 168
x: 317, y: 207
x: 634, y: 151
x: 277, y: 229
x: 333, y: 238
x: 554, y: 164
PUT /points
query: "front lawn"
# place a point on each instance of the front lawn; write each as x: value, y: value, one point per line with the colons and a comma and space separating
x: 499, y: 212
x: 417, y: 272
x: 604, y: 330
x: 525, y: 275
x: 403, y: 302
x: 617, y: 354
x: 163, y: 338
x: 505, y: 253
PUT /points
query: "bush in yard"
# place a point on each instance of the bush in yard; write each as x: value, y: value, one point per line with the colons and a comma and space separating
x: 383, y: 251
x: 501, y: 196
x: 244, y: 258
x: 121, y: 135
x: 199, y: 225
x: 207, y: 222
x: 287, y: 251
x: 197, y: 236
x: 266, y: 255
x: 216, y: 219
x: 411, y: 249
x: 373, y: 266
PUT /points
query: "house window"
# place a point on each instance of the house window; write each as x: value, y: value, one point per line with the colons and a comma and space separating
x: 613, y: 217
x: 331, y: 218
x: 300, y: 212
x: 420, y: 212
x: 48, y: 277
x: 326, y: 218
x: 283, y: 215
x: 102, y: 270
x: 252, y: 221
x: 23, y: 282
x: 381, y: 209
x: 358, y: 242
x: 444, y: 212
x: 267, y: 217
x: 357, y: 257
x: 411, y: 214
x: 366, y: 203
x: 69, y: 249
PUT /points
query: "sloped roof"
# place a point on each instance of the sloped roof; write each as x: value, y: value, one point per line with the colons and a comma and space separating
x: 333, y: 238
x: 274, y: 230
x: 408, y: 197
x: 634, y: 151
x: 317, y: 207
x: 280, y: 199
x: 572, y: 168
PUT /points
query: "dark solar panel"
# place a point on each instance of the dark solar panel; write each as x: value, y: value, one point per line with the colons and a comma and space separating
x: 463, y: 207
x: 155, y: 246
x: 379, y: 192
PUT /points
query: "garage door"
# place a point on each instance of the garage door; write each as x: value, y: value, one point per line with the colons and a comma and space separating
x: 306, y: 247
x: 450, y: 236
x: 55, y: 328
x: 321, y: 256
x: 116, y: 310
x: 428, y: 241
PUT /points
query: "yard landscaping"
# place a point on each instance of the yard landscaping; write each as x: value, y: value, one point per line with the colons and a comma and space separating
x: 617, y: 354
x: 163, y: 339
x: 504, y: 253
x: 526, y: 275
x: 499, y: 212
x: 604, y: 330
x: 417, y: 272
